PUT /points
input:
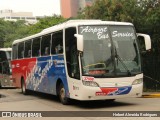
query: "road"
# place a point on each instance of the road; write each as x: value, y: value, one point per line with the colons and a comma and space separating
x: 14, y: 100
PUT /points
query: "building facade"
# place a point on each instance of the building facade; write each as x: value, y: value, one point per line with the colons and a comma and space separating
x: 70, y: 8
x: 14, y: 16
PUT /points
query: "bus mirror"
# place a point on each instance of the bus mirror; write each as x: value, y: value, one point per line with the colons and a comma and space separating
x: 145, y: 41
x: 79, y: 42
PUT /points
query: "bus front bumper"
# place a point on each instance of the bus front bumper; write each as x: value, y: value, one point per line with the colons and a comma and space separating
x: 97, y: 93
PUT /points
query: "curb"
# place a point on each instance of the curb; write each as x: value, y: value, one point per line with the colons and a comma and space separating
x: 151, y: 95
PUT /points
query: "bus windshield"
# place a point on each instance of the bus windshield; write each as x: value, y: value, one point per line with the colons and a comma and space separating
x: 110, y: 51
x: 8, y: 54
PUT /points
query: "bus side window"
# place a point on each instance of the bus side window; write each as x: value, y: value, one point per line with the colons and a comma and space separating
x: 53, y: 50
x: 57, y: 43
x: 27, y: 52
x: 47, y: 51
x: 3, y: 56
x: 21, y: 50
x: 14, y: 51
x: 36, y: 47
x: 39, y: 52
x: 45, y: 45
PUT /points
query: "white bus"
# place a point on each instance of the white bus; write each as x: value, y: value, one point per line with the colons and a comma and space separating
x: 82, y: 60
x: 5, y: 67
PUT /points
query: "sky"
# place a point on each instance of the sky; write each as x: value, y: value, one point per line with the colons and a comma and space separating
x: 37, y: 7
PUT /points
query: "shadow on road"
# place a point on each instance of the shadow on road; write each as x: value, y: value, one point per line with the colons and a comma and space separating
x: 99, y: 104
x: 81, y: 104
x: 2, y: 96
x: 3, y: 88
x: 42, y: 96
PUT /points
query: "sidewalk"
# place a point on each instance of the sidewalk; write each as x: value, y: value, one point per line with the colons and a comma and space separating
x: 151, y: 95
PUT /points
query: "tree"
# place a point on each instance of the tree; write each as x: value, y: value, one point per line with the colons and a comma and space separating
x: 104, y: 10
x: 10, y: 30
x: 1, y: 33
x: 144, y: 14
x: 45, y: 23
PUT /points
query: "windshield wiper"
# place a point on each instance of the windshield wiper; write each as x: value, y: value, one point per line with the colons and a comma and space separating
x: 124, y: 65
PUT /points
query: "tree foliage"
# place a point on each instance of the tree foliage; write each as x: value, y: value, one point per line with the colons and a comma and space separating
x: 45, y: 23
x: 10, y: 30
x: 144, y: 14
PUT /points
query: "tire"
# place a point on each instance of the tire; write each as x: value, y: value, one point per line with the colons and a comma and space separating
x: 23, y: 87
x: 62, y: 95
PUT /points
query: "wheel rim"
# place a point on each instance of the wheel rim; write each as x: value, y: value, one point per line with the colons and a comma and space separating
x: 62, y: 94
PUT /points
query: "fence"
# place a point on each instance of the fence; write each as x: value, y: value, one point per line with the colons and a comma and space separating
x: 151, y: 69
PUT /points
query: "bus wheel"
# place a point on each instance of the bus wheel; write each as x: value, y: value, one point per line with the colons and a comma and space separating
x: 64, y: 100
x: 23, y: 87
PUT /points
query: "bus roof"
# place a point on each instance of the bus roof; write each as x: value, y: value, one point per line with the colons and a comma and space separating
x: 5, y: 49
x: 72, y: 23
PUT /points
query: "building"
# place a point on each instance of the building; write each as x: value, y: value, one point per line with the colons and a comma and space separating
x: 70, y: 8
x: 14, y: 16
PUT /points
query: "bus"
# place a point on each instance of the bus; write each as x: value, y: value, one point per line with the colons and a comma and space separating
x: 5, y: 67
x: 81, y: 60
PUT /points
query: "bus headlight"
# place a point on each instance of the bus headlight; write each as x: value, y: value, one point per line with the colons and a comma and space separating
x: 137, y: 81
x: 90, y: 83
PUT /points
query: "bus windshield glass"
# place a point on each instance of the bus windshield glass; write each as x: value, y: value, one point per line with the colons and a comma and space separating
x: 8, y: 54
x: 110, y: 51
